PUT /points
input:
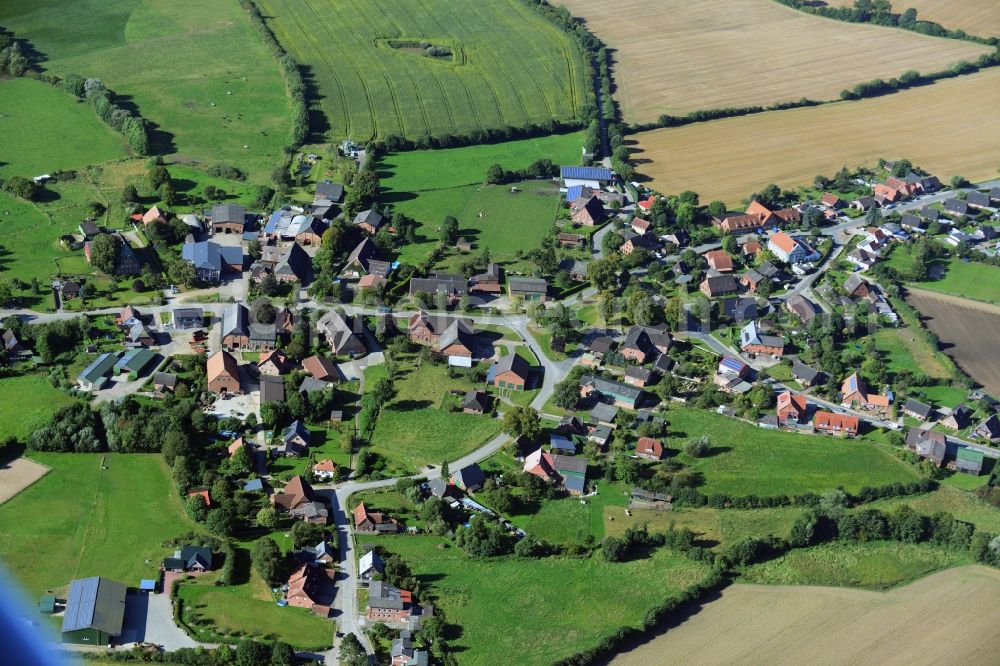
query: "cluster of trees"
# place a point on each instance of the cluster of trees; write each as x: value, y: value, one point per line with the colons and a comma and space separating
x: 371, y: 406
x: 104, y: 252
x: 21, y: 187
x: 540, y: 168
x: 294, y: 82
x: 635, y: 540
x: 12, y: 60
x: 363, y: 191
x: 93, y: 90
x: 484, y: 537
x: 50, y: 339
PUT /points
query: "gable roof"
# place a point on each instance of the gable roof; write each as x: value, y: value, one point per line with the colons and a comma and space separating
x: 585, y: 173
x: 329, y: 190
x: 917, y: 407
x: 95, y: 603
x: 476, y: 400
x: 513, y: 363
x: 296, y: 430
x: 471, y: 476
x: 320, y: 367
x: 221, y: 362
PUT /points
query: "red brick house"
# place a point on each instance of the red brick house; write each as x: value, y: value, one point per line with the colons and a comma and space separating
x: 791, y: 407
x: 305, y: 586
x: 373, y: 522
x: 649, y: 448
x: 223, y: 374
x: 836, y: 424
x: 446, y: 335
x: 511, y: 372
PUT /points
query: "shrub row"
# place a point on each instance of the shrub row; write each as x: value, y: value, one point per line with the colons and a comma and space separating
x: 396, y: 143
x: 692, y: 497
x: 870, y: 13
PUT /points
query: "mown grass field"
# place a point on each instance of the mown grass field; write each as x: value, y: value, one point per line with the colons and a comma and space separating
x: 876, y: 565
x: 791, y: 147
x: 570, y: 520
x: 29, y: 246
x: 904, y: 350
x: 706, y: 55
x: 44, y: 129
x: 250, y: 609
x: 976, y: 17
x: 808, y: 625
x: 81, y: 520
x: 980, y: 282
x: 749, y: 460
x: 196, y: 69
x: 712, y: 527
x: 26, y: 403
x: 543, y: 610
x: 368, y: 89
x: 412, y: 431
x: 429, y: 185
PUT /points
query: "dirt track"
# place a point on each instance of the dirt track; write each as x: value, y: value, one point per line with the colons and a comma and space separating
x: 967, y: 330
x: 17, y: 475
x: 947, y: 618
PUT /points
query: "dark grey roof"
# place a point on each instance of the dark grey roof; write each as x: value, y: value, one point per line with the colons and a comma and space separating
x: 235, y: 320
x: 803, y: 371
x: 956, y: 206
x: 601, y: 345
x: 296, y: 430
x: 918, y: 407
x: 513, y: 363
x: 576, y: 464
x: 636, y: 372
x: 165, y: 378
x: 342, y: 332
x: 311, y: 384
x: 228, y: 213
x: 371, y: 216
x: 449, y: 284
x: 528, y: 285
x: 470, y: 477
x: 95, y: 603
x: 329, y: 190
x: 977, y: 199
x: 603, y: 412
x: 929, y: 213
x: 272, y: 389
x: 476, y: 400
x: 609, y: 387
x: 721, y: 284
x: 383, y: 595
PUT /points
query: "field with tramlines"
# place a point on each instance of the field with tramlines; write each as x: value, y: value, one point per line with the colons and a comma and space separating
x: 368, y: 60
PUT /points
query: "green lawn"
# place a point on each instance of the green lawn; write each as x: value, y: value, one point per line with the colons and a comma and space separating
x: 26, y: 403
x: 749, y: 460
x: 904, y: 349
x: 369, y: 90
x: 877, y: 565
x: 571, y: 520
x: 554, y: 605
x: 973, y: 280
x: 29, y: 244
x: 325, y: 444
x: 412, y: 431
x: 81, y: 520
x: 430, y: 185
x: 44, y: 129
x: 250, y: 609
x: 197, y: 70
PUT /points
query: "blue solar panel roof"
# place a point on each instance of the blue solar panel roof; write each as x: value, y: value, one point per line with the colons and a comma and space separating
x: 585, y: 173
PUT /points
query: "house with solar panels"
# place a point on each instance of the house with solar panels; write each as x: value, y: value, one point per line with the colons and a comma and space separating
x: 593, y: 177
x: 95, y: 611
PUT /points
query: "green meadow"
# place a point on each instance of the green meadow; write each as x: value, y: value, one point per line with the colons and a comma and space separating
x: 26, y: 403
x: 93, y: 514
x: 43, y: 129
x: 197, y: 70
x: 749, y: 460
x: 561, y: 605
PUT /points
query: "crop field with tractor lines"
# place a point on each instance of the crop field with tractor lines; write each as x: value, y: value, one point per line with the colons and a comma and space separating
x: 506, y: 66
x: 689, y: 56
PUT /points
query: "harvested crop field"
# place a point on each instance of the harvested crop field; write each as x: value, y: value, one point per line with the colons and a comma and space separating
x: 976, y: 17
x: 960, y: 324
x: 758, y: 624
x: 17, y: 475
x: 687, y: 56
x: 952, y: 128
x: 505, y: 64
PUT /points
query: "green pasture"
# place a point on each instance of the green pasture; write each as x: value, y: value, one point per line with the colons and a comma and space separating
x: 93, y: 514
x: 561, y: 605
x: 44, y: 129
x: 749, y: 460
x: 413, y: 430
x: 26, y: 403
x: 510, y: 66
x: 196, y: 70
